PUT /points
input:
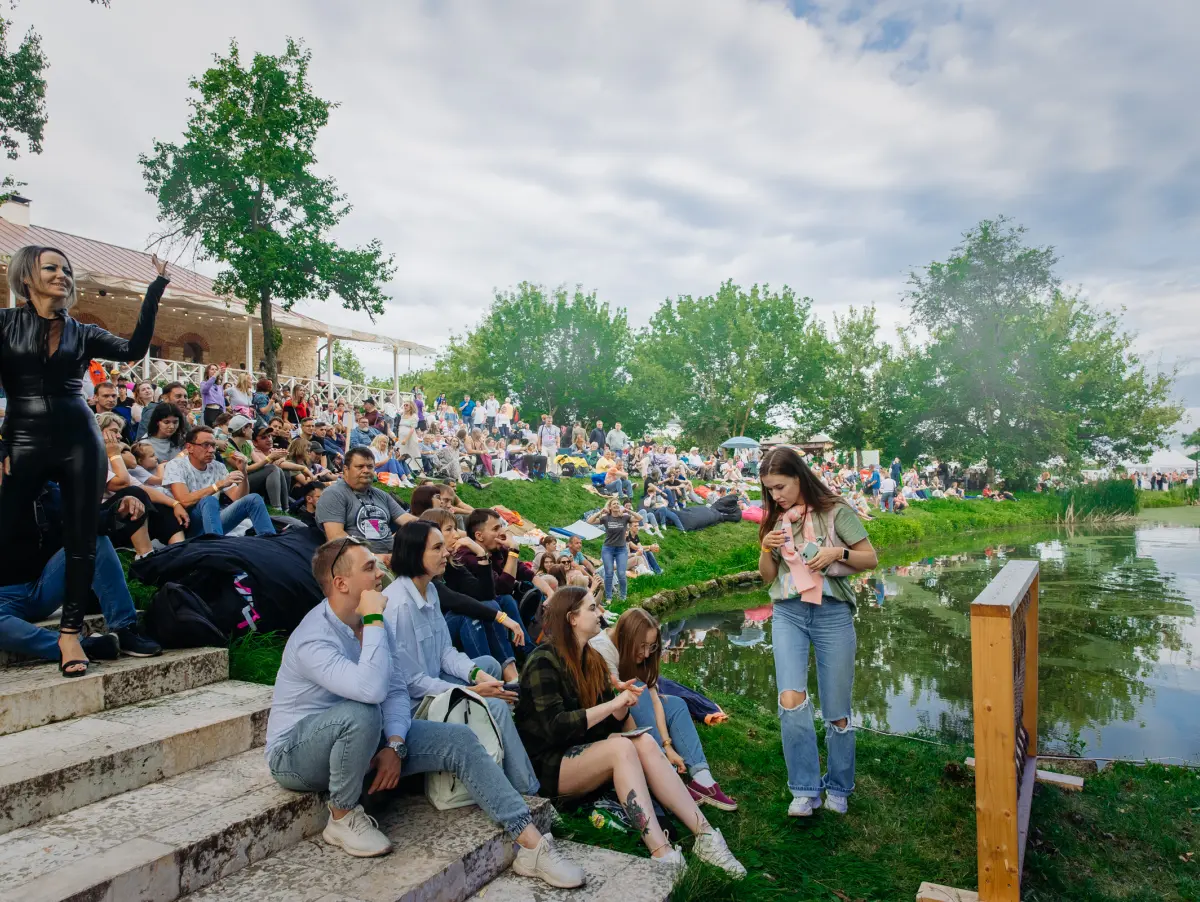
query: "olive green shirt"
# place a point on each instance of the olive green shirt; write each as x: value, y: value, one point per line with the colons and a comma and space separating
x: 850, y: 531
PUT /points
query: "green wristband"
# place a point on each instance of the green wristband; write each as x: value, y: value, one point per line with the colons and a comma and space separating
x: 372, y: 618
x: 474, y: 672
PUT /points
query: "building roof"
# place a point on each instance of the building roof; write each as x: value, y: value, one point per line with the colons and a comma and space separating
x: 99, y: 265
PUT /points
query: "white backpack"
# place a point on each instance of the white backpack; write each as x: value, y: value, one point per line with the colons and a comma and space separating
x: 459, y: 705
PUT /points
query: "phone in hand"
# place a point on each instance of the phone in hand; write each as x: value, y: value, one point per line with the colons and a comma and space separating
x: 514, y: 686
x: 809, y: 551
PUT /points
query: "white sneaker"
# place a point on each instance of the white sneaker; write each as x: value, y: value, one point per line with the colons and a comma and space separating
x: 357, y: 833
x: 836, y: 803
x: 673, y: 860
x: 549, y: 865
x: 711, y: 847
x: 803, y: 806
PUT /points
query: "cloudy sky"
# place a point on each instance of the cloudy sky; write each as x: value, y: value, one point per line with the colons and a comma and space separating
x: 648, y: 149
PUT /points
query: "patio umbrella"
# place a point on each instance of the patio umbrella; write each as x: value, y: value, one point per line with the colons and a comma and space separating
x: 739, y: 442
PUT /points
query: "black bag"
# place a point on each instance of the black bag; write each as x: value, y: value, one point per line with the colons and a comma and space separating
x: 568, y: 469
x: 179, y: 618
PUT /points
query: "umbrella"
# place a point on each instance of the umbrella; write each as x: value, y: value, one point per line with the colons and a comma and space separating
x: 739, y: 442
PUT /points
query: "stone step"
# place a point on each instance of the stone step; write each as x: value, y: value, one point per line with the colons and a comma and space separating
x: 610, y: 876
x: 439, y: 856
x: 63, y: 766
x: 37, y: 695
x: 92, y: 623
x: 161, y: 841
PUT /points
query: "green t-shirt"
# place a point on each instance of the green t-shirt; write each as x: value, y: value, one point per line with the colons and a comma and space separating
x: 849, y: 529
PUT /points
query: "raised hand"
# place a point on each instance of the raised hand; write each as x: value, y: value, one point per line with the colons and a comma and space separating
x: 160, y: 266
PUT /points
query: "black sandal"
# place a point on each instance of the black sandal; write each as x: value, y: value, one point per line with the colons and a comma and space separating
x: 63, y: 665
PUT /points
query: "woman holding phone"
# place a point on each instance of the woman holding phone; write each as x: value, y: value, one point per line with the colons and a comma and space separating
x: 810, y: 541
x: 571, y: 719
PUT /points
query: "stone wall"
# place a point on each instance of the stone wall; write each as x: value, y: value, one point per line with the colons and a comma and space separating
x: 218, y: 337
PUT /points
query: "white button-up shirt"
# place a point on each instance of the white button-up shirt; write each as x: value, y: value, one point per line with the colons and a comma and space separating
x: 422, y: 639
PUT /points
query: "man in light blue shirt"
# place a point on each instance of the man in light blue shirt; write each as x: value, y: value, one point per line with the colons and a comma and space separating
x: 343, y: 687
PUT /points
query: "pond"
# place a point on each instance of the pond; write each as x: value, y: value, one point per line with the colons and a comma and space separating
x: 1119, y: 673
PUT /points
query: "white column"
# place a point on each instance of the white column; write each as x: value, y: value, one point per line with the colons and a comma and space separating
x: 146, y: 367
x: 396, y: 374
x: 329, y: 365
x: 249, y: 345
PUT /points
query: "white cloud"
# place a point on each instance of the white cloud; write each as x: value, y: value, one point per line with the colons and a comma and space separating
x: 650, y: 149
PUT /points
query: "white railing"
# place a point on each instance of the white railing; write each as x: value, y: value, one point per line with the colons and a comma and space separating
x: 160, y: 371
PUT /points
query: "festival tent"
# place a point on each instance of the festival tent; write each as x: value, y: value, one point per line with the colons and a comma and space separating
x: 1163, y: 461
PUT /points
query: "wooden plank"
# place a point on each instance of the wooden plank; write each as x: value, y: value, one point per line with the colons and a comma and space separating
x: 1002, y: 595
x: 1029, y: 711
x: 933, y: 892
x: 995, y: 740
x: 1024, y: 806
x: 1062, y: 781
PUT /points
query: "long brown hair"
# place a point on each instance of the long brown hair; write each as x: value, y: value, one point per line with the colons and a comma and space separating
x: 584, y: 666
x: 628, y: 636
x: 785, y: 461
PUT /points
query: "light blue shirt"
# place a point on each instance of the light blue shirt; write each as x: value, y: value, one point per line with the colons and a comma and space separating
x: 422, y: 639
x: 324, y: 664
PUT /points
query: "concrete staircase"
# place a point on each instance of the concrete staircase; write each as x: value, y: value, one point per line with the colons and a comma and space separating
x: 145, y: 780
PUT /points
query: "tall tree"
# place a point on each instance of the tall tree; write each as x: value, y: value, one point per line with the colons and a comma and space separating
x: 853, y: 414
x: 240, y: 187
x: 346, y: 364
x: 735, y: 363
x: 557, y: 352
x: 22, y: 99
x: 1021, y: 372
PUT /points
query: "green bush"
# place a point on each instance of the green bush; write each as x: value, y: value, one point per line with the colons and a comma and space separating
x: 1178, y: 496
x: 1107, y: 498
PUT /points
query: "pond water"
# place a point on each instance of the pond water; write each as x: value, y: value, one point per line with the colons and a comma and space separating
x: 1119, y: 655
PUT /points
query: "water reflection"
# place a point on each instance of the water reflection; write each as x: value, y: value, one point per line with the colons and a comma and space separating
x: 1118, y: 673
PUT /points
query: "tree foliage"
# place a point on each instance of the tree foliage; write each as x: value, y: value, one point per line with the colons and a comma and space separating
x: 731, y: 363
x: 346, y: 364
x: 853, y: 415
x: 22, y: 99
x: 1019, y: 371
x: 557, y: 352
x: 240, y: 186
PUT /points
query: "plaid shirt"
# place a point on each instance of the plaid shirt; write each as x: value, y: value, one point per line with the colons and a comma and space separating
x: 550, y: 717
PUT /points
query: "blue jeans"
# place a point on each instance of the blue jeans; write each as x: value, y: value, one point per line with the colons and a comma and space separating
x: 477, y: 638
x: 652, y: 561
x: 680, y: 726
x: 619, y: 487
x: 886, y: 500
x: 332, y: 750
x: 23, y: 604
x: 210, y: 519
x: 615, y: 557
x: 503, y: 637
x: 666, y: 515
x: 829, y: 628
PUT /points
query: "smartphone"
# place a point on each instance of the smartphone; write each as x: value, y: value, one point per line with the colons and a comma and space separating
x: 809, y: 551
x: 512, y: 687
x: 633, y: 734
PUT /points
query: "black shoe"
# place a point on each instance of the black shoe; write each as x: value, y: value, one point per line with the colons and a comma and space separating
x: 136, y: 645
x: 101, y: 647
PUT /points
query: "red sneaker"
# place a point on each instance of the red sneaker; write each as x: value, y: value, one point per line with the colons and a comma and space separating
x: 711, y: 795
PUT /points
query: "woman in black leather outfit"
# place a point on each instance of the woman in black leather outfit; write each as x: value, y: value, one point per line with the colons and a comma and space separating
x: 49, y: 431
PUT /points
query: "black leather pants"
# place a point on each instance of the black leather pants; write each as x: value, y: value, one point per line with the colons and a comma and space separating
x: 56, y: 439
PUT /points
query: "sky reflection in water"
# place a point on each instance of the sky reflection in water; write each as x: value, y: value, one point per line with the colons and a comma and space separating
x: 1119, y: 672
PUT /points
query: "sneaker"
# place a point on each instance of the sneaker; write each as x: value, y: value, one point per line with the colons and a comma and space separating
x: 549, y: 865
x: 836, y: 803
x: 357, y: 833
x: 711, y: 847
x: 803, y: 806
x: 673, y: 860
x: 101, y: 647
x: 136, y: 645
x: 711, y: 795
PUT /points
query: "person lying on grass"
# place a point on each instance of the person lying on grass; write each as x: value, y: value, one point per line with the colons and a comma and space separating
x: 571, y: 720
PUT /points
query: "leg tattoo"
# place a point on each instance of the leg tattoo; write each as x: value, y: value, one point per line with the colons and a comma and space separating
x: 637, y: 815
x: 576, y: 750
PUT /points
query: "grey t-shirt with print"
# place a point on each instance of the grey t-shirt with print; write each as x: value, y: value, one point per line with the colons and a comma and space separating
x: 368, y: 515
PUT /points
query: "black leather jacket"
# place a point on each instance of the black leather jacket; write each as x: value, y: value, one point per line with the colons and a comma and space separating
x: 31, y: 376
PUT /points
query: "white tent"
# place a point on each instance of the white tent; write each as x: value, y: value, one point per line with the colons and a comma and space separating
x: 1164, y: 461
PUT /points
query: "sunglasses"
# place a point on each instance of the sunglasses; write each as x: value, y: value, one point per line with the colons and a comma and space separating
x: 346, y: 543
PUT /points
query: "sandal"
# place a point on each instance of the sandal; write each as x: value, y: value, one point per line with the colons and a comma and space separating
x: 63, y: 665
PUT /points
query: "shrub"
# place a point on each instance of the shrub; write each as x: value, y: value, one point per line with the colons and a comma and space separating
x: 1106, y: 498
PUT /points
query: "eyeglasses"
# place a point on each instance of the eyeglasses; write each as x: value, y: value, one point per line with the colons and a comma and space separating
x: 651, y: 648
x: 347, y: 541
x: 205, y: 444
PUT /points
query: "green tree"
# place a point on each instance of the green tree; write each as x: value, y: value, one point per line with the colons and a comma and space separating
x: 734, y: 363
x: 1193, y: 441
x: 241, y: 187
x: 557, y: 352
x: 22, y: 99
x: 1020, y: 372
x: 853, y: 413
x: 347, y: 365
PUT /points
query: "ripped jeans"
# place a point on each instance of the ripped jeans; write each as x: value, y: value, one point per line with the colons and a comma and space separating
x: 829, y: 629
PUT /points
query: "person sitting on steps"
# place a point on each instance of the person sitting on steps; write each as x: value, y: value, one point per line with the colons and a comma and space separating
x: 570, y: 720
x: 342, y: 685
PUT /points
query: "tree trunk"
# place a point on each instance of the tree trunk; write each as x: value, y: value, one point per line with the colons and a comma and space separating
x: 268, y: 327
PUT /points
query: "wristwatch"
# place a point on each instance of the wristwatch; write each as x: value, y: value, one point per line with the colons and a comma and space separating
x: 845, y: 554
x: 399, y: 747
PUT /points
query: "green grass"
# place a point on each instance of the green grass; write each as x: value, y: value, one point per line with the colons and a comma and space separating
x: 1177, y: 496
x: 911, y: 819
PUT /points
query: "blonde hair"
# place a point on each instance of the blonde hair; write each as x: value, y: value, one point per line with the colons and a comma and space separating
x: 244, y: 383
x: 380, y: 443
x: 23, y: 265
x: 106, y: 420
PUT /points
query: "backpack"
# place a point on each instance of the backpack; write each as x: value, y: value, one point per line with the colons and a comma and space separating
x: 459, y: 705
x: 179, y: 618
